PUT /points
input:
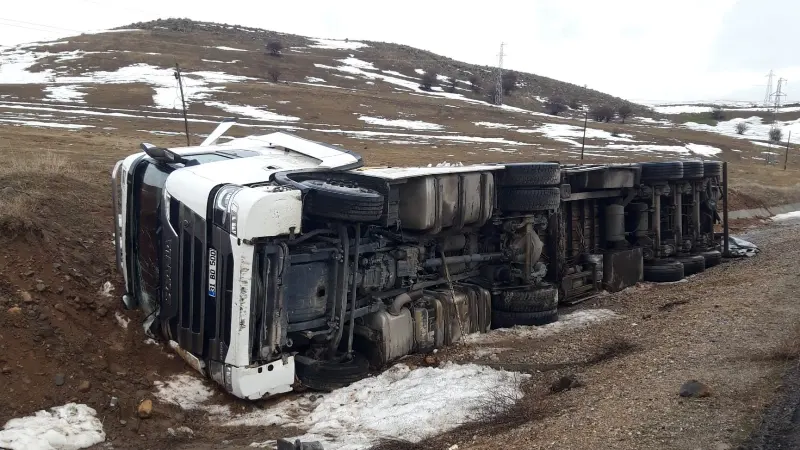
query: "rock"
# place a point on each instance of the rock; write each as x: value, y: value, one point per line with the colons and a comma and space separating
x: 59, y: 379
x: 430, y: 361
x: 694, y: 389
x: 41, y: 287
x: 180, y: 431
x: 117, y: 369
x: 5, y: 370
x: 26, y: 296
x: 60, y: 289
x: 56, y: 266
x: 145, y: 409
x: 113, y: 402
x: 565, y: 383
x: 123, y: 422
x: 15, y: 310
x: 45, y: 331
x: 59, y: 307
x: 84, y: 386
x: 29, y: 273
x: 102, y: 311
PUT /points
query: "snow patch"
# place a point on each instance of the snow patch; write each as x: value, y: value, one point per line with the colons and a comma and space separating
x: 401, y: 123
x: 787, y: 216
x: 190, y: 393
x: 252, y: 111
x: 315, y: 80
x: 355, y: 62
x: 576, y: 320
x: 69, y: 427
x: 64, y: 93
x: 336, y: 44
x: 231, y: 49
x: 495, y: 125
x: 36, y: 123
x: 400, y: 403
x: 703, y: 150
x: 107, y: 289
x: 122, y: 320
x: 756, y: 129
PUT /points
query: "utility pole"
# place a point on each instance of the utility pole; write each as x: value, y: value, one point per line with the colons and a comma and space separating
x: 498, y: 82
x: 585, y: 121
x: 768, y: 94
x: 786, y: 159
x: 183, y: 102
x: 777, y: 96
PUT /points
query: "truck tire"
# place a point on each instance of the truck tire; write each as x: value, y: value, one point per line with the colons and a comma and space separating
x: 713, y: 258
x: 326, y: 376
x: 505, y: 319
x: 528, y: 198
x: 712, y: 169
x: 662, y: 171
x: 663, y: 271
x: 693, y: 170
x: 530, y: 174
x: 342, y: 201
x: 692, y: 264
x: 530, y: 300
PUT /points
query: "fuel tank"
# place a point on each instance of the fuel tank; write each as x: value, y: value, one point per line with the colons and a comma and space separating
x: 435, y: 202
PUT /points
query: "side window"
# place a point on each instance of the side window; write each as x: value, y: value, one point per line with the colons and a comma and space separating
x: 150, y: 180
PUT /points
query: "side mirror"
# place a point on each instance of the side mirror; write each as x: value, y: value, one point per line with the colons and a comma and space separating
x: 162, y: 154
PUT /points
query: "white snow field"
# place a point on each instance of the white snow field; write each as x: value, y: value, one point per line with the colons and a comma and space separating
x: 69, y: 427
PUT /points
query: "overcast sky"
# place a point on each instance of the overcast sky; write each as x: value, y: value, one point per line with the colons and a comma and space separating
x: 638, y: 49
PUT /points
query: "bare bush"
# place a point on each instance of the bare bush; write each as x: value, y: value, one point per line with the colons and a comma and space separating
x: 555, y: 106
x: 575, y: 104
x: 274, y: 48
x: 602, y: 113
x: 775, y: 134
x: 452, y: 82
x: 428, y: 80
x: 615, y: 132
x: 492, y: 94
x: 624, y: 111
x: 509, y: 82
x: 741, y: 127
x: 475, y: 84
x: 717, y: 113
x: 274, y: 74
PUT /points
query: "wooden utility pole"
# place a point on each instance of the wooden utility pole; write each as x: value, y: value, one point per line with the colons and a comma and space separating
x: 183, y: 102
x: 585, y: 121
x: 786, y: 159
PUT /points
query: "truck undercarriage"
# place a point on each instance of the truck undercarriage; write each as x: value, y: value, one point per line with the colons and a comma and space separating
x: 272, y: 261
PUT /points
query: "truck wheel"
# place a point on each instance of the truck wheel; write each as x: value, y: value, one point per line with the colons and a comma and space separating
x: 692, y: 264
x: 662, y: 271
x: 713, y: 258
x: 505, y: 319
x: 662, y: 171
x: 712, y: 169
x: 343, y: 201
x: 528, y: 198
x: 322, y: 375
x: 530, y: 174
x: 533, y: 300
x: 692, y: 170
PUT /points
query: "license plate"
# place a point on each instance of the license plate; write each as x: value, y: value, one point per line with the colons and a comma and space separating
x: 212, y: 272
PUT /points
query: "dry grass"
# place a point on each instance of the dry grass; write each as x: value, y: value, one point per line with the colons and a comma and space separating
x: 47, y: 163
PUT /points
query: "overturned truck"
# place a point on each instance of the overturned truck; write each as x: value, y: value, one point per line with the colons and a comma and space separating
x: 273, y: 260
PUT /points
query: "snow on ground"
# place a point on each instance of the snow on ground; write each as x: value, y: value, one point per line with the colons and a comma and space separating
x: 355, y: 62
x: 575, y: 320
x: 40, y: 124
x: 367, y: 134
x: 680, y: 109
x: 335, y: 44
x: 400, y: 403
x: 419, y: 71
x: 787, y: 216
x: 401, y: 123
x: 395, y: 73
x: 703, y: 150
x: 190, y: 393
x: 315, y: 80
x: 69, y: 427
x: 252, y: 111
x: 562, y: 132
x: 495, y: 125
x: 231, y: 49
x: 756, y: 128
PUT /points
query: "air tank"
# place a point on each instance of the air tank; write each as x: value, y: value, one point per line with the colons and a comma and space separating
x: 615, y: 223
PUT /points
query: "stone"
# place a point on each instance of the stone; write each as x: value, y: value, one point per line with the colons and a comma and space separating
x: 15, y: 310
x: 26, y: 296
x: 60, y: 289
x: 59, y: 307
x: 113, y: 402
x: 29, y: 273
x: 59, y: 379
x: 5, y: 370
x: 84, y: 386
x: 117, y: 369
x: 41, y: 287
x: 102, y: 311
x: 45, y: 331
x: 694, y: 389
x: 565, y: 383
x: 430, y: 361
x: 145, y: 409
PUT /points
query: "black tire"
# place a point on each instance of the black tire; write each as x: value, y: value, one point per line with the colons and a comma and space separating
x: 329, y: 375
x: 662, y: 171
x: 533, y: 300
x: 530, y: 174
x: 692, y: 170
x: 692, y: 264
x: 712, y: 169
x: 528, y: 199
x: 342, y: 201
x: 663, y: 271
x: 505, y: 319
x: 713, y: 258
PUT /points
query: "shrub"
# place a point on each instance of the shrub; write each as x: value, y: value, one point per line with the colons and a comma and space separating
x: 509, y: 81
x: 741, y: 127
x: 615, y: 132
x: 274, y: 74
x: 555, y: 106
x: 602, y: 113
x: 428, y: 80
x: 624, y: 111
x: 274, y: 48
x: 475, y: 84
x: 717, y: 113
x: 452, y: 81
x: 775, y: 134
x: 574, y: 104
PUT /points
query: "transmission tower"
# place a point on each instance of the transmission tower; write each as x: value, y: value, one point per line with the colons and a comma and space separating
x: 768, y: 94
x: 498, y: 82
x: 778, y: 94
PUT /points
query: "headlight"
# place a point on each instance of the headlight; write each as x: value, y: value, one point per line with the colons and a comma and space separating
x: 225, y: 208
